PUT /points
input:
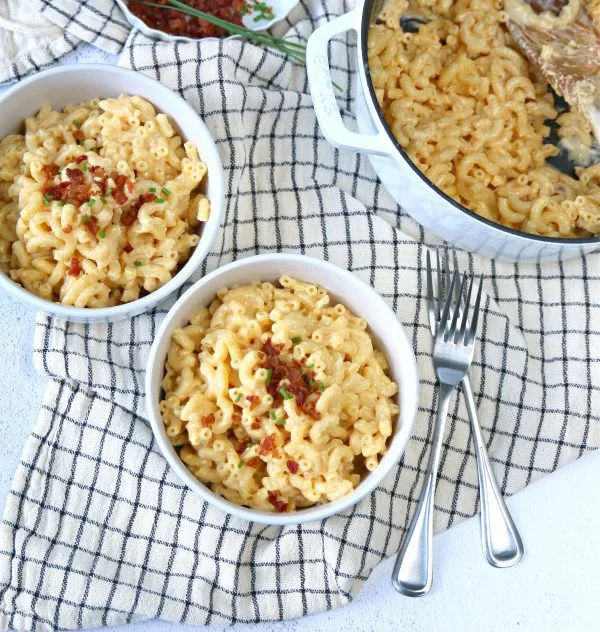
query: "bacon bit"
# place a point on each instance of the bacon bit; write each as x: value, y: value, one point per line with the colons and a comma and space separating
x: 92, y: 226
x: 128, y: 248
x: 74, y: 189
x: 120, y: 182
x: 74, y: 267
x: 97, y: 170
x: 298, y: 380
x: 49, y: 171
x: 255, y: 425
x: 267, y: 445
x: 279, y: 505
x: 68, y: 228
x: 236, y: 418
x: 254, y: 462
x: 292, y: 467
x: 242, y: 447
x: 102, y: 184
x: 253, y: 399
x: 208, y: 420
x: 81, y: 159
x: 130, y: 214
x: 78, y: 135
x: 251, y: 341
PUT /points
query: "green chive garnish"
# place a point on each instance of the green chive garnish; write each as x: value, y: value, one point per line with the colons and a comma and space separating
x: 47, y: 199
x: 285, y: 394
x: 310, y: 366
x: 237, y: 399
x: 80, y: 142
x: 91, y: 202
x: 272, y: 415
x: 84, y: 165
x: 269, y: 374
x: 77, y: 123
x: 61, y: 203
x: 296, y: 339
x: 85, y: 219
x: 102, y: 233
x: 152, y: 189
x: 159, y: 200
x: 165, y: 191
x: 321, y: 387
x: 137, y: 263
x: 241, y: 463
x: 280, y: 422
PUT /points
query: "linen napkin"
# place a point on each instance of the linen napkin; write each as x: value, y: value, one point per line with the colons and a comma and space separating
x: 98, y: 531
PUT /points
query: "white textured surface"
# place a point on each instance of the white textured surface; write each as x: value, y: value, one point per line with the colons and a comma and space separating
x: 556, y: 587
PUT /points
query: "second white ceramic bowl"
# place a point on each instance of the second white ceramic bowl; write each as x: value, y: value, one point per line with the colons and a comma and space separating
x: 82, y: 82
x: 344, y: 287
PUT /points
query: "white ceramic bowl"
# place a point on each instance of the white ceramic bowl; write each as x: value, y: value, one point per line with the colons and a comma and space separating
x: 82, y: 82
x: 281, y: 8
x: 344, y: 287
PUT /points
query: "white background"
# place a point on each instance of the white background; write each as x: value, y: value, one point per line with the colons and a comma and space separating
x: 556, y: 588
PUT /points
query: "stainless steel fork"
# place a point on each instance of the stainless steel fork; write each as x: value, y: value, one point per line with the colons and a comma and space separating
x: 452, y: 356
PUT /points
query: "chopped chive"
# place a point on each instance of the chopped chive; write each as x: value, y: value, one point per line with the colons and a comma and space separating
x: 47, y: 199
x: 61, y: 203
x: 152, y: 189
x: 296, y: 339
x: 80, y: 142
x: 165, y: 191
x: 241, y: 463
x: 91, y: 202
x: 102, y: 233
x: 77, y: 123
x: 310, y: 366
x: 269, y: 374
x: 108, y: 192
x: 272, y: 415
x: 159, y: 200
x: 285, y: 394
x: 85, y: 219
x: 84, y: 165
x: 321, y: 386
x: 137, y: 263
x: 237, y: 399
x: 92, y: 148
x: 280, y: 422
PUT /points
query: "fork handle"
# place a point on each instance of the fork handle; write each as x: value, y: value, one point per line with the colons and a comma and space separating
x: 413, y: 570
x: 500, y: 538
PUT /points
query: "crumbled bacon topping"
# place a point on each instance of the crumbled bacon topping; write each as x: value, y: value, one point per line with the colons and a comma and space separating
x: 128, y: 248
x: 236, y: 418
x: 253, y: 399
x: 91, y: 226
x: 130, y: 214
x: 254, y: 462
x: 255, y: 425
x: 121, y: 182
x: 49, y: 171
x: 81, y: 159
x: 79, y: 135
x: 292, y: 466
x: 242, y: 447
x: 279, y: 505
x: 68, y: 228
x: 267, y: 445
x: 293, y: 377
x: 98, y: 171
x: 208, y: 420
x: 74, y: 267
x: 74, y: 189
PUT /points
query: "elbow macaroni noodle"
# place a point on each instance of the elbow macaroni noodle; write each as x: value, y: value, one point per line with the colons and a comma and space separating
x: 99, y: 202
x: 275, y: 399
x: 471, y: 112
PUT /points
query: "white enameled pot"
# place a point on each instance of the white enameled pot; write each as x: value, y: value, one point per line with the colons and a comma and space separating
x: 421, y: 199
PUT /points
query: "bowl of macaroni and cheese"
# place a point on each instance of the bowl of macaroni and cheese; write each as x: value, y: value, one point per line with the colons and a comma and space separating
x: 463, y: 130
x: 111, y: 192
x: 281, y: 389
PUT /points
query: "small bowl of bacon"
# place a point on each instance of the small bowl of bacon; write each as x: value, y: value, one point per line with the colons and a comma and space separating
x: 111, y: 192
x: 281, y: 389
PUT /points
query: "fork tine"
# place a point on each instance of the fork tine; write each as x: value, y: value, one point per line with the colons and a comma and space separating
x: 443, y: 324
x: 473, y: 330
x: 431, y: 305
x: 460, y: 336
x: 456, y: 297
x: 447, y: 274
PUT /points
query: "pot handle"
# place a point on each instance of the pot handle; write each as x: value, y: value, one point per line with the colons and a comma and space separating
x: 323, y: 95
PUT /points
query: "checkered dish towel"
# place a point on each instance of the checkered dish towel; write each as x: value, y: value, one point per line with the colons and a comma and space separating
x: 98, y: 531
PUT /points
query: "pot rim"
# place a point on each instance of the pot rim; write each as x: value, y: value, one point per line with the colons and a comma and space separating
x: 364, y: 27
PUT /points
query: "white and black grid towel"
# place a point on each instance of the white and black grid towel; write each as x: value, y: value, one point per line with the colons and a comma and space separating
x: 98, y: 531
